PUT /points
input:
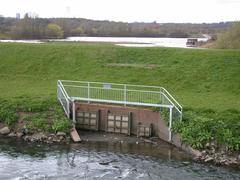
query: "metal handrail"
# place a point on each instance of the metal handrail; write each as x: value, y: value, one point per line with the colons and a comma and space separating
x: 66, y: 97
x: 180, y: 111
x: 174, y: 100
x: 66, y: 110
x: 131, y: 85
x: 133, y: 90
x: 162, y: 90
x: 122, y: 102
x: 61, y: 85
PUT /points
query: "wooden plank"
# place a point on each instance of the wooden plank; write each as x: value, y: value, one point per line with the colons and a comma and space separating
x: 74, y: 135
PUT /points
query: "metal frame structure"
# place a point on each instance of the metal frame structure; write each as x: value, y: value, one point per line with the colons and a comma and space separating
x: 124, y: 94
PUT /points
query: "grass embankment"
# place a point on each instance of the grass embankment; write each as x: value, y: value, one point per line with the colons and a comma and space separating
x: 205, y: 82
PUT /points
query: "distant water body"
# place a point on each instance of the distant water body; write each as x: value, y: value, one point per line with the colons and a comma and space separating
x: 121, y: 41
x: 137, y: 41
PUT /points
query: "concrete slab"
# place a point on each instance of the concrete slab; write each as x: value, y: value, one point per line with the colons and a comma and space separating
x: 74, y: 135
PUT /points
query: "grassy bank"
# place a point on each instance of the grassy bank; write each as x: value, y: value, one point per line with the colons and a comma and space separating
x: 201, y: 80
x: 35, y: 115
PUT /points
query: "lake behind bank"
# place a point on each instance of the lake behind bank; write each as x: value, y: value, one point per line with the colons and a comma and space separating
x: 121, y: 41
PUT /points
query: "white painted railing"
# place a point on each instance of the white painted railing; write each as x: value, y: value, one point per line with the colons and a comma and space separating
x: 125, y: 94
x: 63, y: 98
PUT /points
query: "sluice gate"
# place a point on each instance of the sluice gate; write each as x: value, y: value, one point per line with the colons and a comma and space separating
x: 119, y: 108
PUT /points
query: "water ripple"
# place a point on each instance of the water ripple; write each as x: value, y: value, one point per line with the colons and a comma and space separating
x: 20, y: 161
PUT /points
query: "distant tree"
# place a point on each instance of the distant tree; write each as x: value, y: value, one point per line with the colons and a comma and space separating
x: 33, y: 27
x: 54, y: 31
x: 230, y: 38
x: 178, y: 34
x: 94, y: 31
x: 28, y: 28
x: 65, y: 25
x: 78, y: 31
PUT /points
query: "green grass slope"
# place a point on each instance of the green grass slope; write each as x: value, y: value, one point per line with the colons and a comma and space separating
x: 197, y: 78
x: 205, y: 82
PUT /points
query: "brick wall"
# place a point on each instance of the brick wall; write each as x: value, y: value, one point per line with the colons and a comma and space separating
x: 139, y: 114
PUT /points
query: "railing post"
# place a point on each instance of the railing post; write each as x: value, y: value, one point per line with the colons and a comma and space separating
x: 125, y: 94
x: 88, y: 92
x: 68, y: 109
x: 181, y: 115
x: 57, y: 91
x: 73, y: 112
x: 161, y: 96
x: 170, y: 124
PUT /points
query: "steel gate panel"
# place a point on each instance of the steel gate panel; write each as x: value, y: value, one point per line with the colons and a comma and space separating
x: 118, y: 123
x: 87, y: 120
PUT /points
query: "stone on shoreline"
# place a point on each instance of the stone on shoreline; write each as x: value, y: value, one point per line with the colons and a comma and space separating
x: 19, y: 134
x: 12, y: 134
x: 219, y: 158
x: 5, y: 130
x: 195, y: 152
x: 238, y: 158
x: 209, y: 159
x: 46, y: 138
x: 37, y: 137
x: 61, y: 134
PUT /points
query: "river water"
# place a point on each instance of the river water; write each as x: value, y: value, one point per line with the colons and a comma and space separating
x: 102, y: 160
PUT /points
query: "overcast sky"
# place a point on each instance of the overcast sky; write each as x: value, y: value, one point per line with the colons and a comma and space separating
x: 162, y: 11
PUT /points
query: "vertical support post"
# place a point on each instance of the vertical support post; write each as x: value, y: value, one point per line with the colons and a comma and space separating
x: 130, y: 119
x: 57, y: 91
x: 161, y: 96
x: 73, y: 112
x: 88, y: 92
x: 125, y: 94
x: 68, y: 109
x: 181, y: 115
x: 170, y: 124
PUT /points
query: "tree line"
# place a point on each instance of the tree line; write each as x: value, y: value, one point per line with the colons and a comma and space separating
x: 229, y: 38
x: 46, y: 28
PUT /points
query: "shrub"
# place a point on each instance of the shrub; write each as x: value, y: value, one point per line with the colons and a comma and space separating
x: 8, y: 113
x: 201, y: 126
x: 61, y: 125
x: 229, y: 39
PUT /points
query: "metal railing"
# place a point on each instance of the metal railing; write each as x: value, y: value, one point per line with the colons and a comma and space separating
x: 125, y: 94
x: 63, y: 98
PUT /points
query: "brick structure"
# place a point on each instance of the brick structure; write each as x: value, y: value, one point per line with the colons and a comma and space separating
x: 137, y: 115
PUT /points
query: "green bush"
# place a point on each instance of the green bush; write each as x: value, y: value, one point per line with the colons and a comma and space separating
x: 229, y: 39
x: 41, y: 124
x: 61, y: 125
x: 40, y: 115
x: 50, y: 120
x: 202, y: 126
x: 8, y: 113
